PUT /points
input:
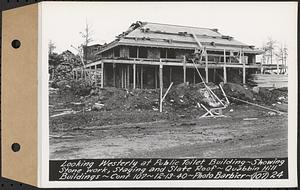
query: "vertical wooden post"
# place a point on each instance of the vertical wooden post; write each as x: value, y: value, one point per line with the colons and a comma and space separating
x: 214, y: 77
x: 224, y: 68
x: 170, y: 74
x: 206, y: 67
x: 184, y: 69
x: 95, y: 75
x: 102, y: 74
x: 155, y: 77
x: 125, y: 77
x: 137, y: 77
x: 134, y: 76
x: 142, y: 77
x: 128, y: 76
x: 194, y: 75
x: 244, y: 68
x: 122, y: 76
x: 244, y: 74
x: 137, y: 52
x: 160, y: 85
x: 114, y: 74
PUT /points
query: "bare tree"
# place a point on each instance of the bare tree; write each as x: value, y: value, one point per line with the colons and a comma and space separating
x: 269, y: 48
x: 87, y: 36
x: 281, y: 55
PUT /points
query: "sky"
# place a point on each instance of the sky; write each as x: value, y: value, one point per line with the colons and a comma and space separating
x: 249, y: 22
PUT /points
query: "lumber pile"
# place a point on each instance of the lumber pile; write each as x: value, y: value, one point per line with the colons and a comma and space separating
x: 270, y: 80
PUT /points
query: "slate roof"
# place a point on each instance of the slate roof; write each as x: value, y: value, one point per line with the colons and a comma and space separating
x: 173, y: 36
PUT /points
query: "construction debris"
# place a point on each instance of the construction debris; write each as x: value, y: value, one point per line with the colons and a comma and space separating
x: 264, y: 107
x: 105, y: 106
x: 179, y: 97
x: 97, y: 107
x: 238, y: 91
x: 250, y: 119
x: 64, y: 113
x: 270, y: 96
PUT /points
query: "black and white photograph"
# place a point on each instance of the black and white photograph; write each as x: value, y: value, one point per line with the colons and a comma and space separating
x: 170, y: 82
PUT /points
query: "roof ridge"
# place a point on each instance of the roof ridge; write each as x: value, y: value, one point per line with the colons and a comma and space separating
x: 178, y: 25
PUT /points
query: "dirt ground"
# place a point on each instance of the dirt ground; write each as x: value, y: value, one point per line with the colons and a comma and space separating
x: 247, y: 131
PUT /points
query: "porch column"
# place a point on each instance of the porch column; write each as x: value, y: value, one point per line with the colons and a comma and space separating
x: 122, y: 76
x: 114, y: 74
x: 214, y: 77
x: 206, y: 67
x: 170, y: 74
x: 184, y: 69
x: 124, y: 71
x: 155, y: 77
x: 161, y: 85
x: 142, y: 77
x: 134, y: 75
x: 137, y: 76
x: 102, y: 74
x: 244, y: 74
x: 194, y: 75
x: 128, y: 77
x: 244, y: 67
x: 224, y: 68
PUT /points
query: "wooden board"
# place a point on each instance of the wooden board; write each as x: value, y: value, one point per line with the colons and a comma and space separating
x: 272, y: 80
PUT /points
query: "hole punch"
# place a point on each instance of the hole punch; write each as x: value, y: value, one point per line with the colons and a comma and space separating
x: 16, y: 44
x: 15, y: 147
